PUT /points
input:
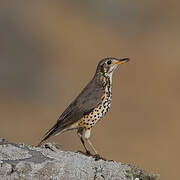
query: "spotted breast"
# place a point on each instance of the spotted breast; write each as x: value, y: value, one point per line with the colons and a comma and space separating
x: 89, y: 120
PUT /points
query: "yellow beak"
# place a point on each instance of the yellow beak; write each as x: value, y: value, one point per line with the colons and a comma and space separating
x: 124, y: 60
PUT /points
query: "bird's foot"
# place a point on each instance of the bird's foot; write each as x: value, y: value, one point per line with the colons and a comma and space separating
x: 98, y: 157
x: 88, y: 153
x: 50, y: 146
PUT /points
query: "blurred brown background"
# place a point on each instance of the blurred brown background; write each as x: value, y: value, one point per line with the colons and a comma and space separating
x: 49, y: 51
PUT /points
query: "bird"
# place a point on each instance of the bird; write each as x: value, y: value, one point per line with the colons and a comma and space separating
x: 90, y: 106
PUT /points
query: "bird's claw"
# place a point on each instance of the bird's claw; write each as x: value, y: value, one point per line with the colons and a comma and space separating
x: 88, y: 153
x: 98, y: 157
x: 50, y: 146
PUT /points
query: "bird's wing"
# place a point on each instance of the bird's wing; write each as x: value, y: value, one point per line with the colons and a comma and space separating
x: 88, y: 99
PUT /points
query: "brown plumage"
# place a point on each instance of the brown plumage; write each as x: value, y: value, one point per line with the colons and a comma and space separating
x: 90, y: 105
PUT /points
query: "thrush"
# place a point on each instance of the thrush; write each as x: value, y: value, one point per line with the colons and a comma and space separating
x: 90, y: 105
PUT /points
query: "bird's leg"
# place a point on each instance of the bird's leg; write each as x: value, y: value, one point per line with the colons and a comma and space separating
x: 90, y: 143
x: 80, y: 133
x: 87, y: 136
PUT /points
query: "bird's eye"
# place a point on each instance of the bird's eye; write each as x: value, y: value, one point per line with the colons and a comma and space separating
x: 109, y: 62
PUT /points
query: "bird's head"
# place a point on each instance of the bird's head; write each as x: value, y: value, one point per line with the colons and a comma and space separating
x: 107, y: 65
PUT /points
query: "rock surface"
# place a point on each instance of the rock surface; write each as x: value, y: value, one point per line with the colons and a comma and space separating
x: 20, y: 161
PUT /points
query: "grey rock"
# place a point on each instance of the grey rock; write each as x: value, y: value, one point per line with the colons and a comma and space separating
x: 20, y: 161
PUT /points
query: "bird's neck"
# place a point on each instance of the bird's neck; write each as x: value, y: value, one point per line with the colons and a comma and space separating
x: 108, y: 78
x: 104, y: 80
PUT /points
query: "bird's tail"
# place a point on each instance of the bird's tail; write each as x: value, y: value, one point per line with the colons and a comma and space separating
x: 48, y: 134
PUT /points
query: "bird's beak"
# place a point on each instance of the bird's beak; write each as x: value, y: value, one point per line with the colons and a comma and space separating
x: 124, y: 60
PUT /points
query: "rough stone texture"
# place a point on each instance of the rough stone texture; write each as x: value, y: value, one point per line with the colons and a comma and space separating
x: 20, y: 161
